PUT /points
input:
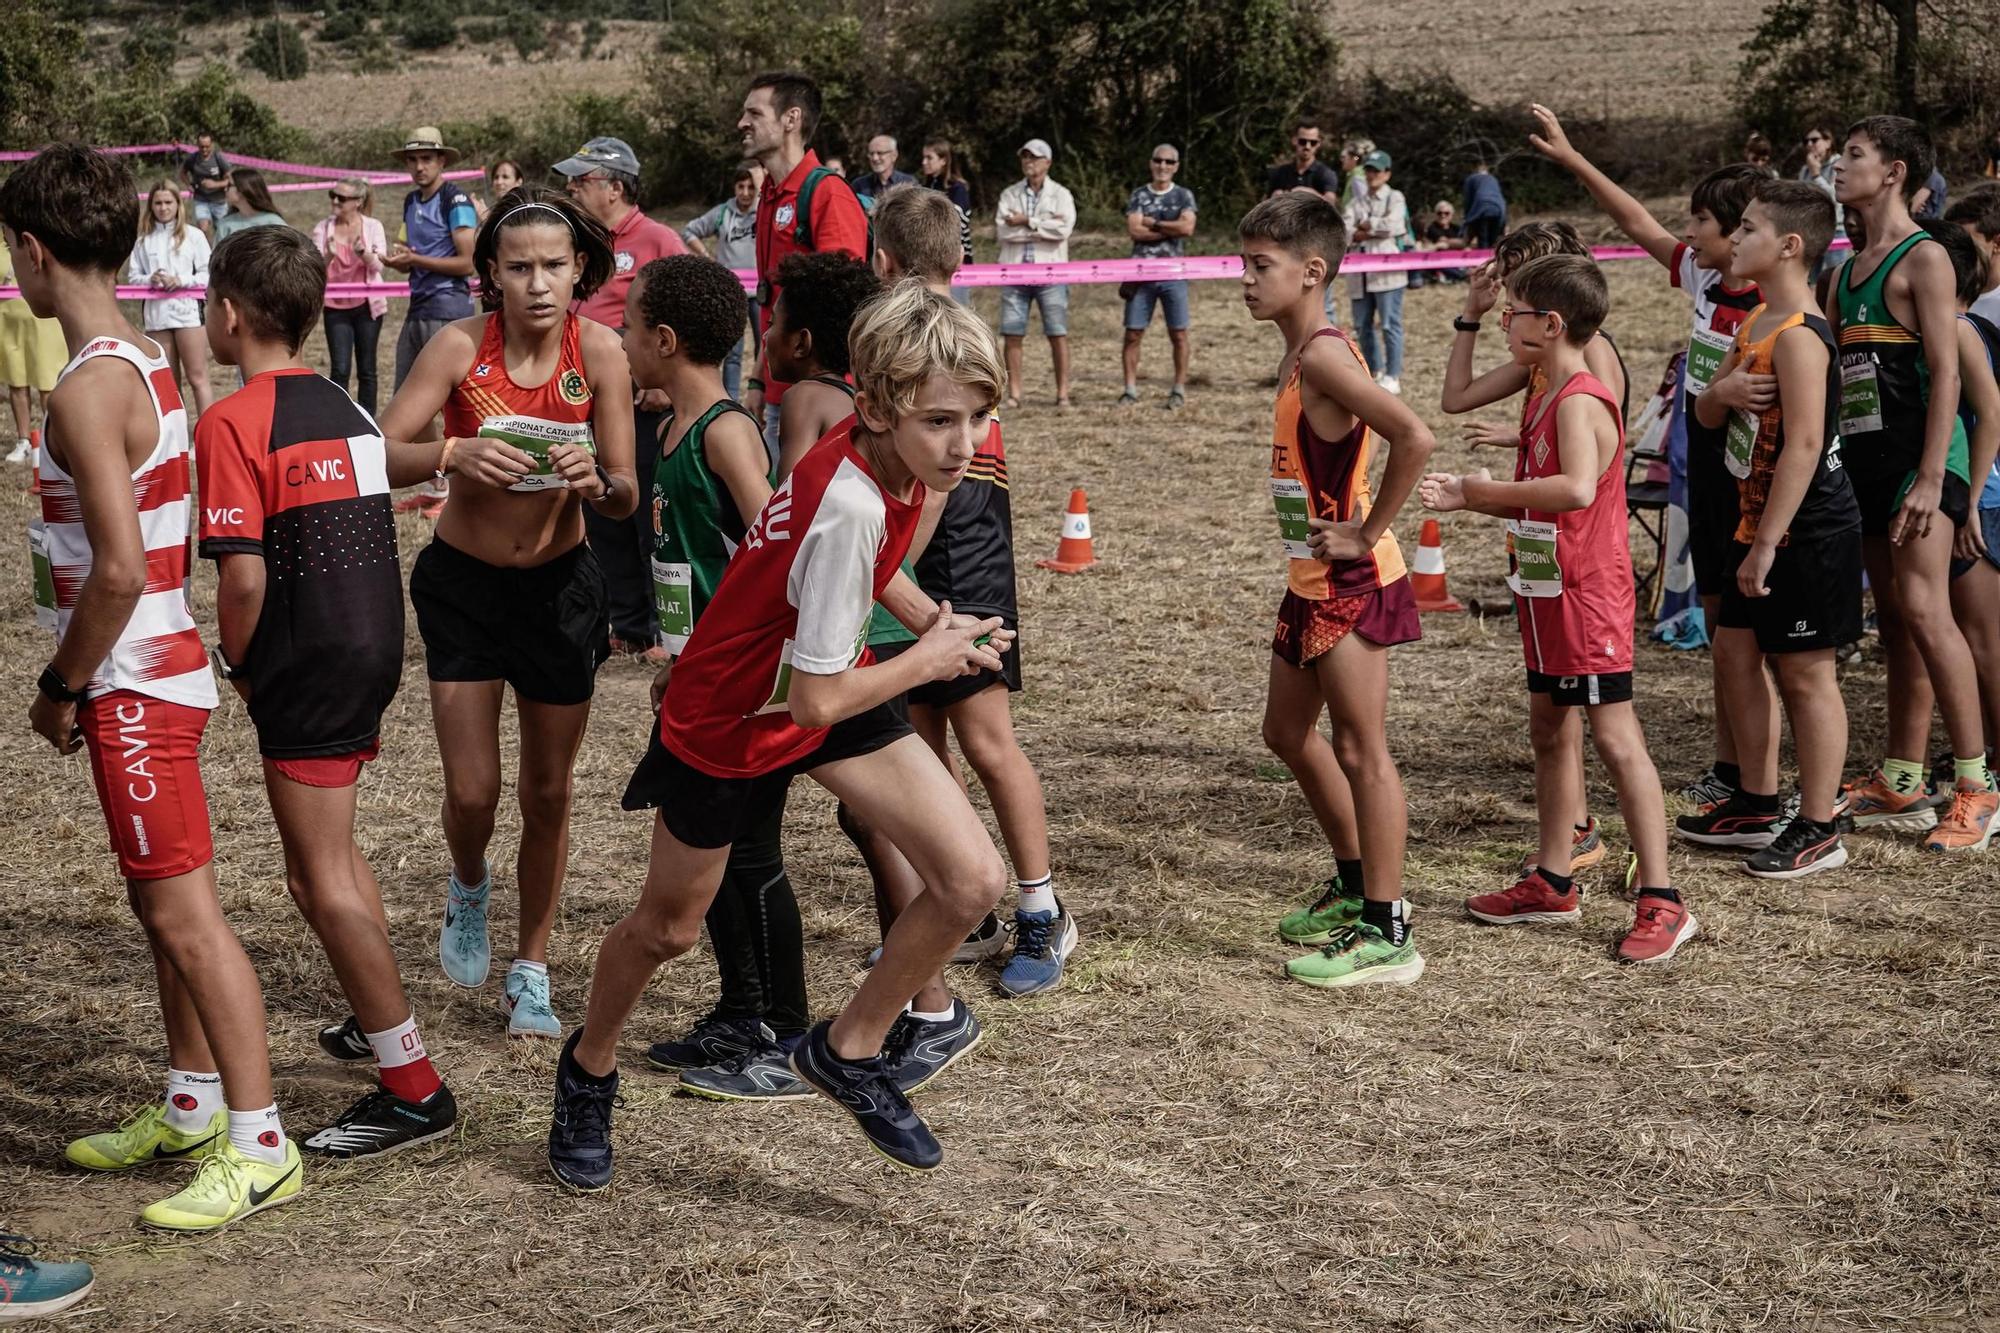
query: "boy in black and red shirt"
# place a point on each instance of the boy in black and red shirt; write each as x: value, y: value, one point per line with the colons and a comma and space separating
x: 295, y: 513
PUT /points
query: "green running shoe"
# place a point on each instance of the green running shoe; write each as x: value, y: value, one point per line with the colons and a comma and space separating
x: 1333, y: 911
x: 146, y: 1137
x: 1358, y: 956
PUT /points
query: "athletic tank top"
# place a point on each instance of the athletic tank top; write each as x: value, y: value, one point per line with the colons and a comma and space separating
x: 1752, y: 442
x: 1989, y: 336
x: 557, y: 411
x: 1538, y: 384
x: 159, y: 652
x: 1315, y: 478
x: 695, y: 527
x: 1885, y: 383
x: 1571, y: 572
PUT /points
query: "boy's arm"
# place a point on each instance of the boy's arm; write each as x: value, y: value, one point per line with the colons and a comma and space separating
x: 231, y: 530
x: 1713, y: 406
x: 1463, y: 393
x: 1334, y: 375
x: 1580, y: 422
x: 1931, y: 287
x: 799, y: 424
x: 1982, y: 394
x: 734, y: 451
x: 1630, y: 215
x: 239, y: 605
x: 1800, y: 360
x: 903, y: 599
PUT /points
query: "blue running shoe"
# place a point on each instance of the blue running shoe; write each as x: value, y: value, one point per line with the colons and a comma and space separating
x: 462, y: 944
x: 526, y: 1002
x: 919, y: 1049
x: 32, y: 1288
x: 863, y: 1089
x: 1042, y: 940
x: 580, y: 1129
x: 715, y: 1040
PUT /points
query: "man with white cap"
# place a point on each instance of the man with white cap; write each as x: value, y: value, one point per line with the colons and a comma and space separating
x: 1034, y: 221
x: 435, y: 249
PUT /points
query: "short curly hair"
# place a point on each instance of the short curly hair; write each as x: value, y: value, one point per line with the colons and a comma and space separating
x: 820, y: 293
x: 699, y: 299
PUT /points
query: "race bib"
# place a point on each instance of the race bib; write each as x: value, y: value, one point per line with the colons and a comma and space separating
x: 533, y: 436
x: 1706, y: 350
x: 1288, y: 496
x: 44, y: 571
x: 1860, y: 395
x: 1739, y: 447
x: 780, y: 699
x: 673, y: 600
x: 1532, y: 567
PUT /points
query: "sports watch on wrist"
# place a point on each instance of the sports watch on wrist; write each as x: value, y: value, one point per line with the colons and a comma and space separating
x: 222, y: 667
x: 55, y: 689
x: 1464, y: 325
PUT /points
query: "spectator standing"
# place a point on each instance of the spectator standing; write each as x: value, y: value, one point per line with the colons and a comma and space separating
x: 1928, y: 203
x: 1375, y: 225
x: 1305, y: 171
x: 1485, y: 207
x: 941, y: 173
x: 249, y: 204
x: 33, y: 353
x: 1159, y: 217
x: 1354, y: 178
x: 733, y: 225
x: 1034, y: 220
x: 354, y: 243
x: 502, y: 178
x: 205, y: 172
x: 881, y: 176
x: 837, y: 165
x: 168, y: 256
x: 603, y: 179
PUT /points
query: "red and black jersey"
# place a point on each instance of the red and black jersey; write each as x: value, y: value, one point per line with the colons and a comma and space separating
x: 291, y: 470
x: 970, y: 559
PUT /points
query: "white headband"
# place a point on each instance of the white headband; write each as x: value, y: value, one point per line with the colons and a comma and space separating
x: 546, y: 208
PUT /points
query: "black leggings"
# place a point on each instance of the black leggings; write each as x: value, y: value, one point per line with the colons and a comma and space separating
x: 754, y: 927
x: 351, y: 340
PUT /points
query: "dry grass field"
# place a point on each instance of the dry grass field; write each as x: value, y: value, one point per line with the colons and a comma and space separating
x: 1792, y: 1127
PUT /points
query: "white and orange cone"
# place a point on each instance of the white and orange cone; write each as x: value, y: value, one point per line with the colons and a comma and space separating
x: 1427, y: 573
x: 1074, y: 553
x: 34, y: 462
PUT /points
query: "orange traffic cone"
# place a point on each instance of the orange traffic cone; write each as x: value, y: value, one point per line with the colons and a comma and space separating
x: 34, y: 462
x: 1073, y: 553
x: 1427, y: 574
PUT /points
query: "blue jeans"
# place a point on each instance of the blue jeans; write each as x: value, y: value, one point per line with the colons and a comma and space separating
x: 1389, y: 305
x: 732, y: 368
x: 1172, y: 298
x: 1014, y: 303
x: 352, y: 337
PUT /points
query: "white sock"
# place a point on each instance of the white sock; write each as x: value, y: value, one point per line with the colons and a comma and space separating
x: 258, y: 1134
x: 1037, y: 895
x: 942, y: 1016
x: 400, y: 1045
x: 528, y: 965
x: 192, y: 1099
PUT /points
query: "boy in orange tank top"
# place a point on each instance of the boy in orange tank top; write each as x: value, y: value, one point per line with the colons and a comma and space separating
x: 1348, y: 597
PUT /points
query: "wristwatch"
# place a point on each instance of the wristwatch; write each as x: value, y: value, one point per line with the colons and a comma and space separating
x: 1464, y: 325
x: 222, y: 667
x: 55, y: 689
x: 604, y: 480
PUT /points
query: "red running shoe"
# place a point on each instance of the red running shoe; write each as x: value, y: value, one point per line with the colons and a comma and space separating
x: 1534, y: 899
x: 1659, y: 929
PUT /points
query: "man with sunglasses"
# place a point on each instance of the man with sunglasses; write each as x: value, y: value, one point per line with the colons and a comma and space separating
x: 1305, y: 171
x: 1159, y: 218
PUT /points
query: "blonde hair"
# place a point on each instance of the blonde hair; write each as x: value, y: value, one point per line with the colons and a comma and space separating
x: 919, y: 228
x: 180, y: 211
x: 353, y: 183
x: 1358, y: 147
x: 909, y: 333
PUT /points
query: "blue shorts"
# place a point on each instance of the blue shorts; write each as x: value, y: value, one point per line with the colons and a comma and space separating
x: 205, y: 211
x: 1172, y: 298
x: 1014, y: 303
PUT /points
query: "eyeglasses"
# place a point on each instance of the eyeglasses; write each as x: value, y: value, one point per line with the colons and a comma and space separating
x: 1507, y: 313
x: 1305, y: 143
x: 1166, y: 161
x: 340, y: 198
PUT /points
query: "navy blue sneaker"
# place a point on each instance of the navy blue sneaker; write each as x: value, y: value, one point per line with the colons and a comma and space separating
x: 713, y: 1041
x: 761, y: 1075
x: 580, y: 1129
x: 919, y: 1049
x: 863, y: 1089
x: 1043, y: 941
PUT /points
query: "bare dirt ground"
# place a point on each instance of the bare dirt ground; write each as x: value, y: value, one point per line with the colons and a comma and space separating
x: 1793, y: 1126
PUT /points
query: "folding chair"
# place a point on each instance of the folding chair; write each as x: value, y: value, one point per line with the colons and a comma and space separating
x: 1646, y: 485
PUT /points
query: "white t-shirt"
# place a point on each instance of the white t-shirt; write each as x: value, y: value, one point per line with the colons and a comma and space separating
x: 1987, y: 307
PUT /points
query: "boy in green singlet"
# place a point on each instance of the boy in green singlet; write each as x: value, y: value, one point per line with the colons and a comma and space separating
x: 1893, y: 312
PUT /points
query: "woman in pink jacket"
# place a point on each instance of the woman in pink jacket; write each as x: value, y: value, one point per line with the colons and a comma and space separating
x: 354, y: 244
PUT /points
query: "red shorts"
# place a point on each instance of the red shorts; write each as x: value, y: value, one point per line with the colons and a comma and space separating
x: 1310, y: 629
x: 326, y: 770
x: 145, y: 758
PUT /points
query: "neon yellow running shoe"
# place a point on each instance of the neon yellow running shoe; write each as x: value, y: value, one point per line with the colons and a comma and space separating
x: 228, y: 1188
x: 146, y: 1137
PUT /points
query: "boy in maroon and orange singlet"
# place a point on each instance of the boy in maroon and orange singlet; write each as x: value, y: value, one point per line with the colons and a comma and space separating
x: 1347, y: 601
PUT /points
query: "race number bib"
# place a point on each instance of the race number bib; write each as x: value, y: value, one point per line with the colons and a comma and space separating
x: 1860, y: 394
x: 1532, y: 567
x: 1739, y: 447
x: 1706, y: 350
x: 533, y: 436
x: 673, y: 600
x: 1288, y: 497
x: 44, y: 571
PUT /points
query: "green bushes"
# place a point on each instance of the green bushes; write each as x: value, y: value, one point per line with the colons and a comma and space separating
x: 277, y: 50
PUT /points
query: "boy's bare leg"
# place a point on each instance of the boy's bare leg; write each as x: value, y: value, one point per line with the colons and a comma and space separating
x: 1811, y: 686
x: 984, y: 725
x: 1909, y: 696
x: 1922, y: 569
x: 1558, y: 779
x: 551, y: 734
x: 1753, y: 719
x: 1725, y: 738
x: 1573, y: 742
x: 1012, y: 351
x: 896, y: 887
x: 1354, y: 680
x: 187, y: 1045
x: 1975, y: 605
x: 1621, y: 745
x: 1059, y: 356
x: 1292, y: 706
x: 184, y: 922
x: 466, y: 716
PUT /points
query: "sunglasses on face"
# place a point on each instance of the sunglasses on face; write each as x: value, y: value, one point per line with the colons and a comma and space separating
x: 1507, y: 313
x: 340, y: 198
x: 1166, y: 161
x: 1305, y: 143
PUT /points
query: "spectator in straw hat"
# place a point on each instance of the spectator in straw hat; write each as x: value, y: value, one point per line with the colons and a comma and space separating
x: 435, y: 249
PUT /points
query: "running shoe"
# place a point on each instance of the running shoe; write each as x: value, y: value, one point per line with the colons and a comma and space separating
x: 382, y: 1123
x: 229, y: 1187
x: 146, y: 1137
x: 762, y: 1075
x: 1968, y: 825
x: 1130, y: 398
x: 346, y: 1042
x: 713, y: 1041
x: 919, y: 1049
x: 580, y: 1127
x: 1358, y: 956
x: 987, y: 940
x: 1707, y: 790
x: 1586, y: 850
x: 525, y: 1000
x: 1660, y: 927
x: 1042, y: 942
x: 1802, y: 848
x: 1176, y: 400
x: 462, y: 944
x: 1390, y: 384
x: 1329, y: 914
x: 864, y: 1090
x: 1730, y: 824
x: 1875, y: 804
x: 32, y: 1288
x: 1533, y: 899
x: 19, y: 454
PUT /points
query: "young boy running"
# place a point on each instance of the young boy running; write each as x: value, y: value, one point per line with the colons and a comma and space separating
x: 1570, y: 567
x: 295, y: 512
x: 1348, y: 598
x: 1798, y: 546
x: 1698, y: 264
x: 130, y: 682
x: 776, y: 681
x: 1895, y: 317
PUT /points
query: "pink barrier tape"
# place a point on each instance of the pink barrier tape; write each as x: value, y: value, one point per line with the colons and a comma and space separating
x: 294, y: 187
x: 148, y: 149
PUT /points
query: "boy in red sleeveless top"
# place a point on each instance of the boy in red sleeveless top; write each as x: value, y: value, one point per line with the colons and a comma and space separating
x: 1348, y: 598
x: 1570, y: 566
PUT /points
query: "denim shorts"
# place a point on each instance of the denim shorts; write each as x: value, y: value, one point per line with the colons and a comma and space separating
x: 1014, y: 303
x: 204, y: 211
x: 1989, y: 528
x: 1170, y: 296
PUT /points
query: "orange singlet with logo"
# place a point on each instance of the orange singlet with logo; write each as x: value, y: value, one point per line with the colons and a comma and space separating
x: 487, y: 393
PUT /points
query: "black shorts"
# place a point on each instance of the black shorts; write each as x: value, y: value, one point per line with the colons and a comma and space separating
x: 542, y: 629
x: 1714, y: 509
x: 1881, y: 497
x: 1815, y: 599
x: 942, y: 694
x: 1583, y: 691
x: 703, y: 810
